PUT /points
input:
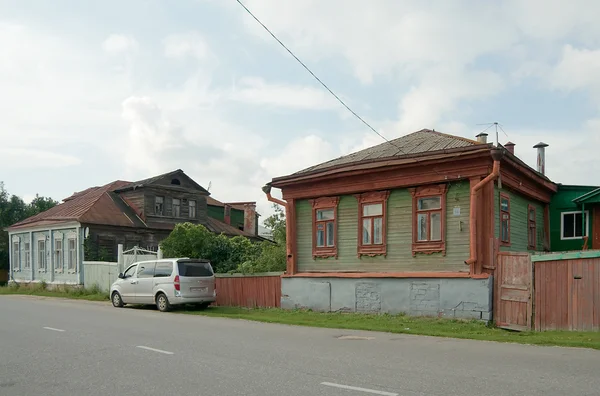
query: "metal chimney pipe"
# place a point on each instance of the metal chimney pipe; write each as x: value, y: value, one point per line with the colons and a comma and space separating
x: 541, y: 157
x: 482, y: 137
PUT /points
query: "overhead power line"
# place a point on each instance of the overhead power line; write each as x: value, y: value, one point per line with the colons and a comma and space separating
x: 317, y: 78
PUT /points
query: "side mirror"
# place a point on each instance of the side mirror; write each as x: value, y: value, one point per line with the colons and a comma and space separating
x: 121, y: 276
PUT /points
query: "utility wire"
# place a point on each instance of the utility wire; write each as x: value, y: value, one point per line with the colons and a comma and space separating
x: 317, y: 78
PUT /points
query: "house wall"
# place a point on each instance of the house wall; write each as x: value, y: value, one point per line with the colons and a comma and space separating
x: 108, y: 238
x: 218, y: 213
x: 452, y: 297
x: 399, y: 256
x: 52, y: 274
x: 152, y: 192
x: 519, y: 226
x: 561, y: 202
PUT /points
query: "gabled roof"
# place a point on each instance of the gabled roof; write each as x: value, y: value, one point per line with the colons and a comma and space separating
x: 590, y: 197
x: 95, y: 205
x: 236, y: 205
x: 154, y: 179
x: 414, y: 144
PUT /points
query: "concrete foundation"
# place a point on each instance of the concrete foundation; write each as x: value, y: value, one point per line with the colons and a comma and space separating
x: 440, y: 297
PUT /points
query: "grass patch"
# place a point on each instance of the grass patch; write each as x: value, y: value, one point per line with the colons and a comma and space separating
x: 404, y: 324
x: 93, y: 293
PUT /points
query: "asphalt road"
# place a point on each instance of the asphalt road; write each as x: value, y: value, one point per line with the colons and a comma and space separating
x: 60, y: 347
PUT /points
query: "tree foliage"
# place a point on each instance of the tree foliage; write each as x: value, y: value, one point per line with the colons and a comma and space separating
x: 12, y: 210
x: 237, y: 254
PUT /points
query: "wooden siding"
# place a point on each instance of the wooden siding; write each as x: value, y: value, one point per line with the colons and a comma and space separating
x: 168, y: 194
x: 399, y: 237
x: 110, y: 237
x: 561, y: 202
x: 567, y: 294
x: 512, y: 289
x: 218, y: 213
x: 519, y: 226
x: 135, y: 199
x: 251, y: 291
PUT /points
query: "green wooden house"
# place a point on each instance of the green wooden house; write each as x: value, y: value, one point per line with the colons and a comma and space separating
x: 410, y: 226
x: 575, y: 218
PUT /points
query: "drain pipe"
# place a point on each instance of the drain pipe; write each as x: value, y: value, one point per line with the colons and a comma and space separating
x: 496, y: 155
x: 288, y: 243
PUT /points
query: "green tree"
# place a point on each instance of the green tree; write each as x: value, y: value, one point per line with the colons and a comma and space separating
x: 12, y: 210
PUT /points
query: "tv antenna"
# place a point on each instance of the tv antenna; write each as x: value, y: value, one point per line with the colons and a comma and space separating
x: 496, y: 125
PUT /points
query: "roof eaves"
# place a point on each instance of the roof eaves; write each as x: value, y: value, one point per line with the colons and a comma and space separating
x: 586, y: 196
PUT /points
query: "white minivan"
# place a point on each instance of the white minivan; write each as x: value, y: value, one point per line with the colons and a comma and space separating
x: 165, y: 282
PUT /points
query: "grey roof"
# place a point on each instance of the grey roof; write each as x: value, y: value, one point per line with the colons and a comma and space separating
x: 419, y: 142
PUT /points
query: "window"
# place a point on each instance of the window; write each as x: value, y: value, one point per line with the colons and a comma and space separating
x: 129, y: 272
x: 192, y: 209
x: 194, y: 269
x: 572, y: 225
x: 176, y: 207
x: 372, y: 223
x: 58, y: 255
x: 146, y: 270
x: 504, y: 219
x: 531, y: 236
x: 324, y: 227
x: 27, y: 255
x: 158, y: 205
x: 41, y: 255
x: 16, y: 256
x: 429, y: 219
x: 72, y: 258
x: 163, y: 269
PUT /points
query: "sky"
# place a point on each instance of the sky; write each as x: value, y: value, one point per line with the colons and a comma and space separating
x: 92, y: 92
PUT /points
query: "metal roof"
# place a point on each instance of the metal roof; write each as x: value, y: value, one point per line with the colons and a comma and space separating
x: 419, y: 142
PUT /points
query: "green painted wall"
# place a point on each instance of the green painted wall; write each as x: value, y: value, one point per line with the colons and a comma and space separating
x: 399, y: 237
x: 518, y: 221
x: 218, y: 213
x: 562, y: 201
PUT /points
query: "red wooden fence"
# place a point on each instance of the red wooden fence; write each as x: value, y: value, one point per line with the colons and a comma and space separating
x: 251, y: 291
x: 567, y: 293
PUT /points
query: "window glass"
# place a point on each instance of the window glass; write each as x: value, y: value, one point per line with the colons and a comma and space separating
x: 130, y: 271
x: 373, y: 210
x: 192, y: 209
x: 325, y: 214
x: 532, y: 215
x: 194, y: 269
x: 320, y: 235
x: 569, y: 225
x: 146, y: 270
x: 422, y: 227
x: 330, y: 234
x: 436, y: 226
x: 366, y: 232
x: 176, y: 207
x: 378, y: 231
x: 504, y: 204
x: 163, y: 269
x: 578, y: 225
x: 430, y: 203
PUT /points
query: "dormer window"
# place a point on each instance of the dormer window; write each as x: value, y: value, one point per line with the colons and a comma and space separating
x: 175, y: 182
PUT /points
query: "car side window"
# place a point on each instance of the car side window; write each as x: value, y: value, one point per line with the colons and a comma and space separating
x: 130, y: 271
x: 146, y: 270
x: 164, y: 269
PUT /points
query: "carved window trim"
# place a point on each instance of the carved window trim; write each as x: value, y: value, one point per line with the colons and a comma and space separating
x: 429, y: 191
x: 369, y: 198
x: 318, y: 204
x: 15, y: 247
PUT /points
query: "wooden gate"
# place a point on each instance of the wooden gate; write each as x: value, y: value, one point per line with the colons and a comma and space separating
x: 513, y: 281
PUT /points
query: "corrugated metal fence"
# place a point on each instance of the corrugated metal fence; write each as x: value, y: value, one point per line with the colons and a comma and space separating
x: 251, y: 291
x: 567, y: 291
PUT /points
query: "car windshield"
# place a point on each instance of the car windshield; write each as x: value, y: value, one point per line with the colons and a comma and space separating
x: 191, y: 268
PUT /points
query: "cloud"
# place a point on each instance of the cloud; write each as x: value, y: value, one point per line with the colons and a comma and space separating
x: 120, y: 43
x: 577, y: 69
x: 20, y: 159
x: 186, y: 45
x: 299, y: 154
x: 255, y: 91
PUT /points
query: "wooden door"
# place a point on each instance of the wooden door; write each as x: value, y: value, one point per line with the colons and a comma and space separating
x: 596, y: 229
x: 513, y: 291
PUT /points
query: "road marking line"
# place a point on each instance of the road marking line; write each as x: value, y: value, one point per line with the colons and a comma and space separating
x: 154, y: 350
x: 376, y: 392
x: 53, y: 329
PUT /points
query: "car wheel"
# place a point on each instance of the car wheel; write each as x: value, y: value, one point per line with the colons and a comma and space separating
x: 116, y: 299
x: 162, y: 303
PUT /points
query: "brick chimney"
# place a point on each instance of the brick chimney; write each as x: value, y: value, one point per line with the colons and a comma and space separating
x: 250, y: 224
x: 510, y: 146
x: 227, y: 214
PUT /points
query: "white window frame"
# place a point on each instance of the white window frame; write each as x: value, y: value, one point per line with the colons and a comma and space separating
x: 562, y: 225
x: 58, y: 238
x: 27, y: 255
x: 178, y: 206
x: 72, y: 260
x: 16, y: 261
x: 38, y: 250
